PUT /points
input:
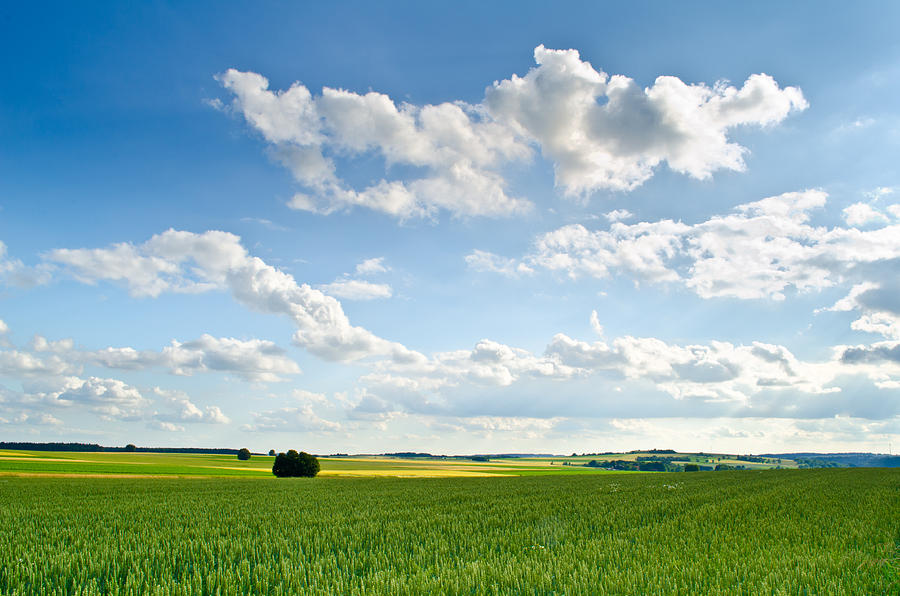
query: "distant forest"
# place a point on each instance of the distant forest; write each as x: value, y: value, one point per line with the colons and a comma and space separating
x: 96, y: 447
x: 841, y: 460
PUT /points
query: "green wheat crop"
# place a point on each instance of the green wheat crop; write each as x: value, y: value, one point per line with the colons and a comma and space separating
x: 830, y: 531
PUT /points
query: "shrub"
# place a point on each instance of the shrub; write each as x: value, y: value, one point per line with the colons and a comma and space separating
x: 295, y: 464
x: 244, y: 454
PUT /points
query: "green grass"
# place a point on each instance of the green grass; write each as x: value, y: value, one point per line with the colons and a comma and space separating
x: 48, y: 462
x: 774, y: 532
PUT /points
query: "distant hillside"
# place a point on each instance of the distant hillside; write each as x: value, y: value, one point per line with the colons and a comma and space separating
x: 845, y: 460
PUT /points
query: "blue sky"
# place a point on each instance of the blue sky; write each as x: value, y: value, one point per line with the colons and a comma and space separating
x: 505, y: 227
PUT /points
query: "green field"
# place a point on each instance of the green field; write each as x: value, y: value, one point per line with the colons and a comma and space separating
x: 68, y: 463
x: 833, y: 531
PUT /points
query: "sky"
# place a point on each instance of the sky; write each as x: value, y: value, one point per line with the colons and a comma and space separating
x: 463, y: 227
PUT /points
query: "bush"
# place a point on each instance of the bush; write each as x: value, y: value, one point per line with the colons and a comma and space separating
x: 295, y: 464
x: 244, y: 454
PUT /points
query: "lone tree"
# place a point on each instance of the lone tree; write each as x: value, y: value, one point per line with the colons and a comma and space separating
x: 295, y: 464
x: 271, y: 452
x: 130, y: 447
x: 244, y: 454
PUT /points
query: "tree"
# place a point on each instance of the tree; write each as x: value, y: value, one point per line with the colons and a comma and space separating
x: 691, y: 468
x: 295, y: 464
x: 130, y: 447
x: 244, y: 454
x: 271, y: 452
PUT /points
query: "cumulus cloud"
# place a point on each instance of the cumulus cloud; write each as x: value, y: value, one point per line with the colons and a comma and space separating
x: 599, y: 131
x: 761, y: 250
x: 111, y: 398
x: 181, y: 409
x: 253, y: 359
x: 618, y: 215
x: 607, y: 132
x: 457, y: 149
x: 878, y: 304
x: 177, y: 261
x: 19, y: 364
x: 860, y: 214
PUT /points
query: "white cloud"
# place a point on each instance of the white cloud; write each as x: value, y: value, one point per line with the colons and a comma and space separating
x: 292, y: 419
x: 309, y: 397
x: 607, y: 132
x: 595, y: 323
x: 182, y: 409
x: 860, y: 214
x: 254, y: 359
x: 760, y: 251
x: 457, y: 148
x: 483, y: 261
x: 180, y: 261
x: 878, y: 304
x: 357, y: 289
x: 718, y: 372
x: 40, y: 419
x: 600, y: 132
x: 879, y: 192
x: 111, y: 398
x: 15, y: 273
x: 372, y: 266
x: 618, y: 215
x: 165, y: 426
x: 19, y: 364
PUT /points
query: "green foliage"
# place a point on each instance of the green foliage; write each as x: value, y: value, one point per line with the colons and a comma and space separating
x: 130, y: 447
x: 788, y: 532
x: 243, y: 454
x: 691, y: 468
x: 295, y: 464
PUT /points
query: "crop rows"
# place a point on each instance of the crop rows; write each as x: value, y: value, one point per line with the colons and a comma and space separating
x: 777, y: 532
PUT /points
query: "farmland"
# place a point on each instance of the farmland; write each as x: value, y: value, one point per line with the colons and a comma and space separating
x: 833, y: 531
x: 69, y: 463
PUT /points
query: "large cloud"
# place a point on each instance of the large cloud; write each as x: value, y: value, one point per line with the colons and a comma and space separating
x: 762, y: 250
x: 184, y: 261
x: 607, y: 132
x: 600, y: 132
x: 254, y: 359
